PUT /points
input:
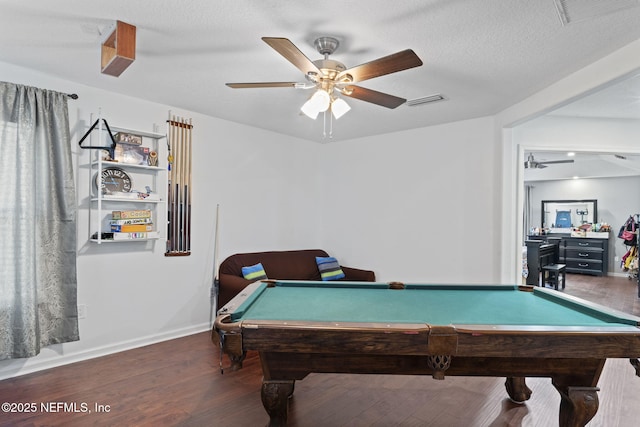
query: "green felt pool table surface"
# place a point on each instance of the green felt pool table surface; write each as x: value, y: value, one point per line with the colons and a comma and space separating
x: 423, y: 303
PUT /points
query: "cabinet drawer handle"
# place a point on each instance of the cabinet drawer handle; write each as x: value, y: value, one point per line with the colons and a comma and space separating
x: 583, y: 244
x: 583, y: 265
x: 583, y: 255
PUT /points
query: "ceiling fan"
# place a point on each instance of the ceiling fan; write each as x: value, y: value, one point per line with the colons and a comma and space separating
x: 531, y: 163
x: 328, y: 76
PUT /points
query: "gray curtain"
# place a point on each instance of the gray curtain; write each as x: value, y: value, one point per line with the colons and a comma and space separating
x: 38, y: 285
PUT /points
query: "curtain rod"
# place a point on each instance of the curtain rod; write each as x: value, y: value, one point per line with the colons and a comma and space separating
x: 72, y: 95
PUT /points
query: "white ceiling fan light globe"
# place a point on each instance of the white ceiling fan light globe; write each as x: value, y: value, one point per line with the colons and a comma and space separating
x: 339, y: 108
x: 322, y: 100
x: 310, y: 110
x: 318, y: 102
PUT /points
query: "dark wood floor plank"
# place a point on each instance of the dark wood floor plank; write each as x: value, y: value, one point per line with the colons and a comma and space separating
x: 178, y: 383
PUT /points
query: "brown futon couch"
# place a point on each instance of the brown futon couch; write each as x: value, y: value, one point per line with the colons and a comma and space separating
x: 282, y: 265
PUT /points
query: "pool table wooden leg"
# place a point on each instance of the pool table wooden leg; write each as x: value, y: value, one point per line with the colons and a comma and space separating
x: 275, y: 395
x: 517, y: 389
x: 578, y: 405
x: 236, y: 361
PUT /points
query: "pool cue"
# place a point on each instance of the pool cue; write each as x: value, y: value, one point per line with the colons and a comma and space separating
x: 188, y: 160
x: 181, y: 187
x: 177, y: 185
x: 169, y: 182
x: 176, y: 228
x: 183, y: 214
x: 215, y: 281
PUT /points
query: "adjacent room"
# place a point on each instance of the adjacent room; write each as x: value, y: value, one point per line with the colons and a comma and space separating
x: 408, y: 187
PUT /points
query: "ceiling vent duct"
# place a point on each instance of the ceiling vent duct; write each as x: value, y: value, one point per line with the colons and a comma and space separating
x: 571, y: 11
x: 425, y: 100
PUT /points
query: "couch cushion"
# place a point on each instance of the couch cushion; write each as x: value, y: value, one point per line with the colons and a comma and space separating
x: 329, y: 268
x: 254, y: 272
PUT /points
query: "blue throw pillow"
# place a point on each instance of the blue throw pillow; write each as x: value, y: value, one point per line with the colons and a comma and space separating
x: 254, y: 272
x: 329, y: 268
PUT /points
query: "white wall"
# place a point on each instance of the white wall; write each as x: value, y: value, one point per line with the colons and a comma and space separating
x: 418, y: 205
x: 134, y: 294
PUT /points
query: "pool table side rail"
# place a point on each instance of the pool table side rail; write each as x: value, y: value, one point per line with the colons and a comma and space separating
x: 243, y: 301
x: 598, y: 311
x: 326, y: 284
x: 410, y: 328
x: 420, y: 339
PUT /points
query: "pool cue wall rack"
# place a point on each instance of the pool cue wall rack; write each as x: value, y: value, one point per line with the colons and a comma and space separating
x: 179, y: 186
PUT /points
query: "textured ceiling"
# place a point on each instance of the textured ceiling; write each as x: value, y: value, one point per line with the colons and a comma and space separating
x: 585, y: 165
x: 483, y: 56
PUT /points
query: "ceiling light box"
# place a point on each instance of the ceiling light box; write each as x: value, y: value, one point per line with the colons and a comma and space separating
x: 118, y: 48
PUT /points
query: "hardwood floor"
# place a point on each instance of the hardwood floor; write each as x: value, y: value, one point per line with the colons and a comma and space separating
x: 178, y: 383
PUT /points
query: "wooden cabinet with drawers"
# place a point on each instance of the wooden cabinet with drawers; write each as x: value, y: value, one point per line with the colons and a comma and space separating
x: 585, y: 255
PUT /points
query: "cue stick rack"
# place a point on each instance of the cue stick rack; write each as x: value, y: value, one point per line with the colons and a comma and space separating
x: 179, y: 186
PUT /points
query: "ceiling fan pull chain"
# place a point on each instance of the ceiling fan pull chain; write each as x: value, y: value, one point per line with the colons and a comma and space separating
x: 330, y: 125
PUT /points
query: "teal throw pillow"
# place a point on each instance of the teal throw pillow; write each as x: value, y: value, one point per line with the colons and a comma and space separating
x: 254, y: 272
x: 329, y: 268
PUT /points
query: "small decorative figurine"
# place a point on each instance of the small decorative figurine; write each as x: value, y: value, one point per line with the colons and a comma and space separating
x: 153, y: 158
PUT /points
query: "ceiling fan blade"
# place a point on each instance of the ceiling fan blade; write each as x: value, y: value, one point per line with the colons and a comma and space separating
x: 373, y: 96
x: 287, y: 49
x: 379, y: 67
x: 259, y: 85
x: 551, y: 162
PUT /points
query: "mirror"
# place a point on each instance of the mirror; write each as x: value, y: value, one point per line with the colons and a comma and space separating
x: 559, y: 216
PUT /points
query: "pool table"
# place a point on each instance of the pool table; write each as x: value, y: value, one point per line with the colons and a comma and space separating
x: 426, y: 329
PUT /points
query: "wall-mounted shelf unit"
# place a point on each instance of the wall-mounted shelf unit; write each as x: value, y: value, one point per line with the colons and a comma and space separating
x: 122, y: 186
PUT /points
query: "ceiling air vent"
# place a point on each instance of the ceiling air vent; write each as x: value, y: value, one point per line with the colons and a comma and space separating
x: 425, y: 100
x: 581, y: 10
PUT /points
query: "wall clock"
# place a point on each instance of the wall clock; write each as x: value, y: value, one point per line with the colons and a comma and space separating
x: 113, y: 180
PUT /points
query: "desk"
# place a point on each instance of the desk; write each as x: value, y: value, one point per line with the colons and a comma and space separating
x: 539, y: 254
x: 420, y: 329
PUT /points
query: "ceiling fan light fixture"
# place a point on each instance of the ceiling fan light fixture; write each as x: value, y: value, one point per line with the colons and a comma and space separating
x: 309, y: 110
x: 318, y: 103
x: 328, y: 75
x: 339, y: 108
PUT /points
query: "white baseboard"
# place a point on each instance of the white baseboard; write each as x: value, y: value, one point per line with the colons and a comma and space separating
x: 619, y: 274
x: 28, y: 366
